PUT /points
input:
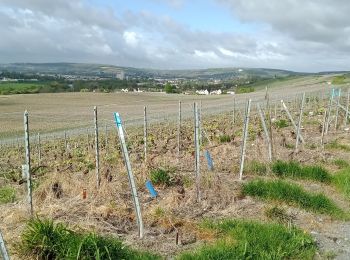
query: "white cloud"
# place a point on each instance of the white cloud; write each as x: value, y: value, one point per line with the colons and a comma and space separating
x: 131, y: 38
x: 226, y: 52
x: 208, y: 55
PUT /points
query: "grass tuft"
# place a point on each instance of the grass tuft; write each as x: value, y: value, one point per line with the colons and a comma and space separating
x: 292, y: 194
x: 340, y: 163
x: 7, y: 195
x: 160, y: 177
x: 224, y: 138
x: 256, y: 167
x: 43, y: 239
x: 337, y: 146
x: 240, y: 239
x: 295, y: 170
x: 342, y: 181
x: 282, y: 123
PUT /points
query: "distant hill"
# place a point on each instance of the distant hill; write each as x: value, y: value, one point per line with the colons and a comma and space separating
x: 109, y: 70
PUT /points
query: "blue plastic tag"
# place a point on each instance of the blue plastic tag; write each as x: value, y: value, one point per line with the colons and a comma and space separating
x: 151, y: 190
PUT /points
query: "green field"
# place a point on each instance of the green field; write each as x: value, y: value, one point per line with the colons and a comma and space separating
x: 9, y: 88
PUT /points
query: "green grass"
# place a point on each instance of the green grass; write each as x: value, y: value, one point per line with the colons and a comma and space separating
x: 7, y: 195
x: 43, y: 239
x: 282, y: 191
x: 337, y: 146
x: 19, y: 88
x: 224, y: 138
x: 293, y: 169
x: 160, y: 177
x: 342, y: 181
x: 340, y: 163
x: 256, y: 167
x: 282, y: 123
x: 240, y: 239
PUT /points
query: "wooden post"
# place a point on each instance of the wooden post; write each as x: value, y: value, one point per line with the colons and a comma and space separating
x: 27, y: 162
x: 267, y: 136
x: 300, y: 120
x: 88, y: 139
x: 132, y: 184
x: 244, y: 141
x: 179, y: 133
x: 329, y: 112
x: 145, y: 132
x: 347, y: 109
x: 200, y: 122
x: 197, y: 151
x: 323, y: 127
x: 337, y: 111
x: 97, y: 149
x: 292, y: 120
x: 39, y: 150
x: 3, y: 249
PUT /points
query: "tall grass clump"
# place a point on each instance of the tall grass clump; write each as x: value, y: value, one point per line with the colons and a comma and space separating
x: 342, y: 181
x: 240, y: 239
x: 295, y: 170
x: 43, y: 239
x: 294, y: 194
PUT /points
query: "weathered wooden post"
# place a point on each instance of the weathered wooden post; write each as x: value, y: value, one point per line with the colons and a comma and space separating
x: 132, y: 184
x: 244, y: 141
x: 3, y: 249
x: 145, y: 132
x: 97, y: 149
x: 27, y: 162
x: 179, y: 133
x: 329, y: 112
x: 323, y: 127
x: 39, y: 150
x: 234, y: 111
x: 337, y: 110
x: 197, y: 151
x: 347, y: 109
x: 292, y: 120
x: 267, y: 136
x: 200, y: 122
x: 300, y: 120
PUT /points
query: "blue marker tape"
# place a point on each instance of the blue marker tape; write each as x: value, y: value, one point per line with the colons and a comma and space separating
x: 117, y: 119
x: 209, y: 160
x: 151, y: 190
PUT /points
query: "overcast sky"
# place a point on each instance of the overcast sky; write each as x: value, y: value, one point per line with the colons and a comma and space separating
x: 300, y: 35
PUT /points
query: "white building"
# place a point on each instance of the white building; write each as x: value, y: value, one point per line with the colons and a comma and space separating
x: 202, y: 92
x: 216, y: 92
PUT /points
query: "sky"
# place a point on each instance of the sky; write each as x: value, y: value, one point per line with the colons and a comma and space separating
x: 299, y: 35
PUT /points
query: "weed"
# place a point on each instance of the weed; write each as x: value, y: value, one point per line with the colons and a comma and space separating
x: 224, y: 138
x: 160, y: 177
x: 340, y: 163
x: 294, y: 170
x: 44, y: 239
x: 240, y: 239
x: 342, y: 181
x: 7, y: 195
x: 279, y: 214
x: 337, y: 146
x: 256, y: 167
x: 282, y: 123
x: 292, y: 194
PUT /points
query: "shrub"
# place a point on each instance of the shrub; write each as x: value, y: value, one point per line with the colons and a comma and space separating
x: 160, y: 177
x: 292, y: 194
